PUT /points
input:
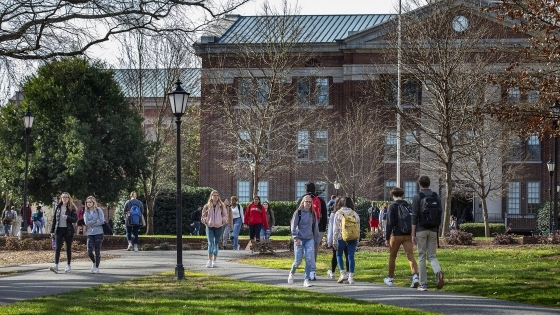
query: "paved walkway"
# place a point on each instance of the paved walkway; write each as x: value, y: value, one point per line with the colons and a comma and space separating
x: 38, y: 281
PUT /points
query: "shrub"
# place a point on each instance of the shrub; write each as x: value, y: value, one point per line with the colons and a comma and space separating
x: 477, y: 229
x: 506, y: 238
x: 377, y: 239
x: 12, y: 243
x: 281, y: 230
x: 459, y: 238
x: 164, y: 246
x: 147, y: 247
x: 186, y: 247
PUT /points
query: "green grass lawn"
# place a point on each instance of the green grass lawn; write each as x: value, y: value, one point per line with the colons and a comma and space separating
x: 527, y: 274
x: 198, y: 294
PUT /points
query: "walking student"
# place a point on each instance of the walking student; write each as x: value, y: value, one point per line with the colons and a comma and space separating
x: 265, y: 233
x: 62, y: 228
x: 399, y: 229
x: 93, y: 221
x: 425, y: 232
x: 195, y: 217
x: 346, y: 233
x: 37, y: 221
x: 214, y: 216
x: 7, y: 218
x: 334, y: 262
x: 134, y: 214
x: 305, y: 232
x: 237, y: 214
x: 255, y: 218
x: 228, y: 226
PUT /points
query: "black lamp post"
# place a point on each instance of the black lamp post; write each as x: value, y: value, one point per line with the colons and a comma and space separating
x: 336, y: 186
x: 555, y: 111
x: 28, y: 123
x: 178, y: 101
x: 550, y: 165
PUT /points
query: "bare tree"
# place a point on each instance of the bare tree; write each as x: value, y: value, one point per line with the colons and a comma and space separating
x: 444, y: 49
x: 152, y: 66
x: 252, y: 89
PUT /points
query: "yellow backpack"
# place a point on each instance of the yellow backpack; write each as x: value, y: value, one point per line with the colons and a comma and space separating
x: 350, y: 231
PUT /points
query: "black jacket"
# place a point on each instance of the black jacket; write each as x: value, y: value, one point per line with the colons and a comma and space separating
x: 392, y: 219
x: 324, y: 215
x: 72, y: 217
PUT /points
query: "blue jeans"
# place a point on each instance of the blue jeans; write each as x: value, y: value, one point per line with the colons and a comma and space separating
x: 307, y: 247
x: 265, y: 233
x: 37, y: 227
x: 7, y: 230
x: 351, y: 246
x: 196, y: 228
x: 213, y: 235
x: 237, y: 224
x: 134, y: 231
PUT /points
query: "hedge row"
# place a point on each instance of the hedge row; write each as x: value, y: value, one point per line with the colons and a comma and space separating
x: 477, y: 229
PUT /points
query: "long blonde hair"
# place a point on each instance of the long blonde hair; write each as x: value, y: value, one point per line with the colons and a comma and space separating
x: 70, y: 205
x: 93, y: 201
x: 302, y: 203
x: 209, y: 202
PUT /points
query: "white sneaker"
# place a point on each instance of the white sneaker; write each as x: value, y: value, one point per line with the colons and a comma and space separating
x: 135, y: 248
x: 67, y: 268
x: 343, y: 277
x: 313, y: 275
x: 209, y: 264
x: 129, y: 248
x: 290, y: 278
x: 92, y: 267
x: 388, y: 281
x: 306, y: 283
x: 214, y: 264
x: 54, y: 268
x: 415, y: 281
x: 95, y: 270
x: 350, y: 278
x: 330, y: 274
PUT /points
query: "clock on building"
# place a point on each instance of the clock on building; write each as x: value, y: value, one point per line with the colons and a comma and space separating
x: 460, y: 23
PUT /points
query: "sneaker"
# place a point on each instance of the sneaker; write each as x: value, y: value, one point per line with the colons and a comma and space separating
x: 342, y: 278
x: 290, y: 278
x: 388, y: 281
x: 415, y: 281
x: 312, y: 276
x: 129, y: 248
x: 95, y: 270
x: 214, y: 264
x: 135, y: 248
x: 439, y: 278
x: 54, y: 268
x: 306, y: 283
x: 423, y: 287
x: 209, y: 264
x: 330, y: 274
x: 92, y: 267
x: 351, y: 278
x: 68, y: 268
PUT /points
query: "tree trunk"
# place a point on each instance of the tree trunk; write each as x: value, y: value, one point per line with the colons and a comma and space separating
x: 485, y: 215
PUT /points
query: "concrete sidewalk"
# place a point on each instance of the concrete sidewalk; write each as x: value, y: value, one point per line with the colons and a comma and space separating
x: 38, y: 281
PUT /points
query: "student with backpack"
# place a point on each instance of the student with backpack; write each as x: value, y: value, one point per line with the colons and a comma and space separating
x: 426, y: 219
x: 37, y: 218
x: 346, y: 233
x: 399, y: 229
x: 305, y: 232
x: 195, y: 217
x: 7, y: 218
x: 237, y: 213
x: 93, y: 221
x: 373, y: 213
x: 134, y: 214
x: 334, y: 262
x: 383, y: 217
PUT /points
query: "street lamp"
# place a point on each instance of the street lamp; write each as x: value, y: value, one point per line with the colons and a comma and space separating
x: 336, y: 186
x: 28, y: 123
x: 550, y: 165
x: 178, y: 101
x: 555, y: 111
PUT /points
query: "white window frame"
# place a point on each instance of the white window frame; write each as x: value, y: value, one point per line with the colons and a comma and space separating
x: 300, y: 189
x: 244, y: 191
x: 533, y: 196
x: 389, y: 184
x: 391, y: 145
x: 263, y: 91
x: 321, y: 145
x: 241, y: 155
x: 321, y: 189
x: 514, y: 95
x: 533, y: 148
x: 262, y: 188
x: 411, y: 148
x: 410, y: 189
x: 514, y: 198
x: 302, y: 145
x: 303, y: 91
x: 322, y: 91
x: 244, y: 91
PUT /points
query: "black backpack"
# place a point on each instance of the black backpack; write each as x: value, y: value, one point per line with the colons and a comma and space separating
x: 404, y: 214
x: 374, y: 212
x: 429, y: 213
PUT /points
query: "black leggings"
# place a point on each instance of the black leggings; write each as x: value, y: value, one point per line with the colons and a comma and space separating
x: 94, y: 245
x: 255, y: 231
x: 61, y: 233
x: 334, y: 263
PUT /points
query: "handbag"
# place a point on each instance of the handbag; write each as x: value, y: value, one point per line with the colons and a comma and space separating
x: 107, y: 230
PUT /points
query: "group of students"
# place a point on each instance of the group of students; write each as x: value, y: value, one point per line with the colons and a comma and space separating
x: 224, y: 219
x: 11, y: 220
x: 406, y: 226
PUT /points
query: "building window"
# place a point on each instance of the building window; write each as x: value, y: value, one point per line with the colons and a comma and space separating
x: 533, y: 148
x: 533, y: 197
x: 390, y: 184
x: 391, y: 145
x: 321, y: 145
x: 514, y: 95
x: 321, y: 189
x: 515, y: 149
x: 300, y: 189
x: 302, y: 145
x: 244, y: 91
x: 322, y: 91
x: 532, y: 96
x: 513, y: 198
x: 410, y: 93
x: 263, y: 190
x: 411, y: 146
x: 244, y: 142
x: 303, y: 91
x: 263, y: 91
x: 409, y: 189
x: 244, y: 191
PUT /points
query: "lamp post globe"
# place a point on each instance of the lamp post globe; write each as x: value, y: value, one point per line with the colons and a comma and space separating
x: 178, y: 100
x: 336, y: 186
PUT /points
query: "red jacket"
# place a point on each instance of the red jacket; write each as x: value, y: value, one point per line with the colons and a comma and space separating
x: 255, y: 215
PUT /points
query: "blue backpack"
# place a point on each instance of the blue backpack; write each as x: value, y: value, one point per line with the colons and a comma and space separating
x: 135, y: 217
